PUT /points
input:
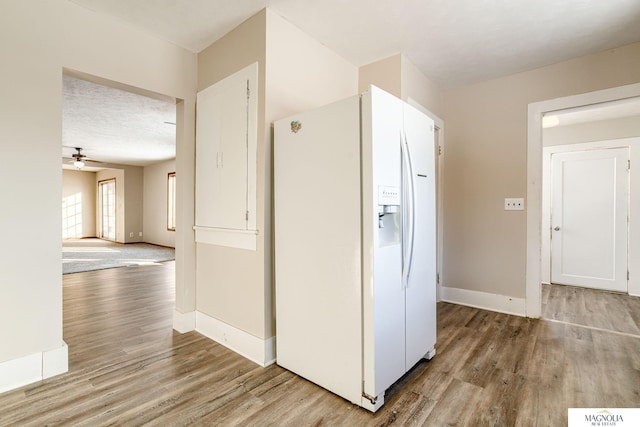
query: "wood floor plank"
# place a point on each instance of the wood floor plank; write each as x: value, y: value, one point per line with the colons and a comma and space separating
x: 592, y: 307
x: 457, y: 406
x: 128, y: 367
x: 501, y: 399
x: 432, y: 383
x: 615, y: 366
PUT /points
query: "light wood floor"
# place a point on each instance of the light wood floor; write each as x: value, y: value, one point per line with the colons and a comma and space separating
x: 127, y: 367
x: 593, y: 308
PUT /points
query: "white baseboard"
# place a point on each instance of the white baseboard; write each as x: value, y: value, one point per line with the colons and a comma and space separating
x: 184, y: 322
x: 34, y: 367
x: 253, y: 348
x: 484, y: 300
x: 22, y: 371
x: 55, y: 362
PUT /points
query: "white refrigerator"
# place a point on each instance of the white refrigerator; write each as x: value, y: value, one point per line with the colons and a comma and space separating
x: 355, y: 244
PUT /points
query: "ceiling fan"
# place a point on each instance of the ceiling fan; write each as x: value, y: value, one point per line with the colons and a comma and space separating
x: 78, y: 158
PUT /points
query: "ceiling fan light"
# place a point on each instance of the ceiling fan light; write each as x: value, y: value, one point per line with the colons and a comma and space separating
x: 79, y: 164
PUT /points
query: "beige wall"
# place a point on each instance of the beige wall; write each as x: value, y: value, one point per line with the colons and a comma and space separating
x: 230, y: 283
x: 80, y: 188
x: 235, y: 285
x: 484, y: 246
x: 133, y: 200
x: 623, y: 127
x: 38, y: 39
x: 400, y: 77
x: 155, y: 204
x: 385, y: 73
x: 302, y: 73
x: 417, y: 87
x: 313, y: 77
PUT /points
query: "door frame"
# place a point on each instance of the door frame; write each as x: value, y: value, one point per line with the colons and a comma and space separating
x: 102, y: 182
x: 536, y: 110
x: 547, y: 193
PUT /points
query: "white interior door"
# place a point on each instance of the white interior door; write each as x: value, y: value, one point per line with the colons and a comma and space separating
x: 589, y: 211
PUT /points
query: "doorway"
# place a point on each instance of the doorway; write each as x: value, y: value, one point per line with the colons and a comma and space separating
x: 107, y: 208
x: 127, y: 140
x: 589, y: 217
x: 536, y: 227
x: 584, y: 300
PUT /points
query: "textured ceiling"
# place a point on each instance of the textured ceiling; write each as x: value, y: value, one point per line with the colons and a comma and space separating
x: 116, y: 126
x: 453, y: 42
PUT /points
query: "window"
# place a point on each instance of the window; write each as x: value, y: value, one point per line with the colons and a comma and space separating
x: 171, y: 201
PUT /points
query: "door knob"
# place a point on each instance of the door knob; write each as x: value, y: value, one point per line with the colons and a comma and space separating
x: 556, y: 228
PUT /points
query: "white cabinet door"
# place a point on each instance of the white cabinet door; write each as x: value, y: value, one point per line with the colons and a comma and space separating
x: 226, y: 134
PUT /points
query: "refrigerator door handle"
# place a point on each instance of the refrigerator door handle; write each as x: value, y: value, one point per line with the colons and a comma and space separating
x: 408, y: 231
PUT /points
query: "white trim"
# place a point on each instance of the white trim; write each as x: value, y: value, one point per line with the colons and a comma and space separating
x: 241, y: 239
x: 32, y: 368
x: 440, y: 162
x: 184, y: 322
x: 55, y: 362
x: 22, y: 371
x: 253, y: 348
x: 484, y: 300
x: 534, y: 179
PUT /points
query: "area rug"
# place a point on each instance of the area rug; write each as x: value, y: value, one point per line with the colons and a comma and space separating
x: 95, y: 254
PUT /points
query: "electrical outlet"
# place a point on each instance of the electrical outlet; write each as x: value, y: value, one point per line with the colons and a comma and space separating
x: 131, y: 234
x: 140, y: 234
x: 514, y: 204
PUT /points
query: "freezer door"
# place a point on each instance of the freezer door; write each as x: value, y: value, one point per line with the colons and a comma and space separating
x: 420, y: 290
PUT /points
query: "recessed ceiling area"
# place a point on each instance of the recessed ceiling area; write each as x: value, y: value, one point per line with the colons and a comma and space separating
x: 452, y: 43
x: 115, y: 126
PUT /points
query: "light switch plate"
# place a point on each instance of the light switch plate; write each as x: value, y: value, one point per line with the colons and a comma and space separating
x: 514, y: 204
